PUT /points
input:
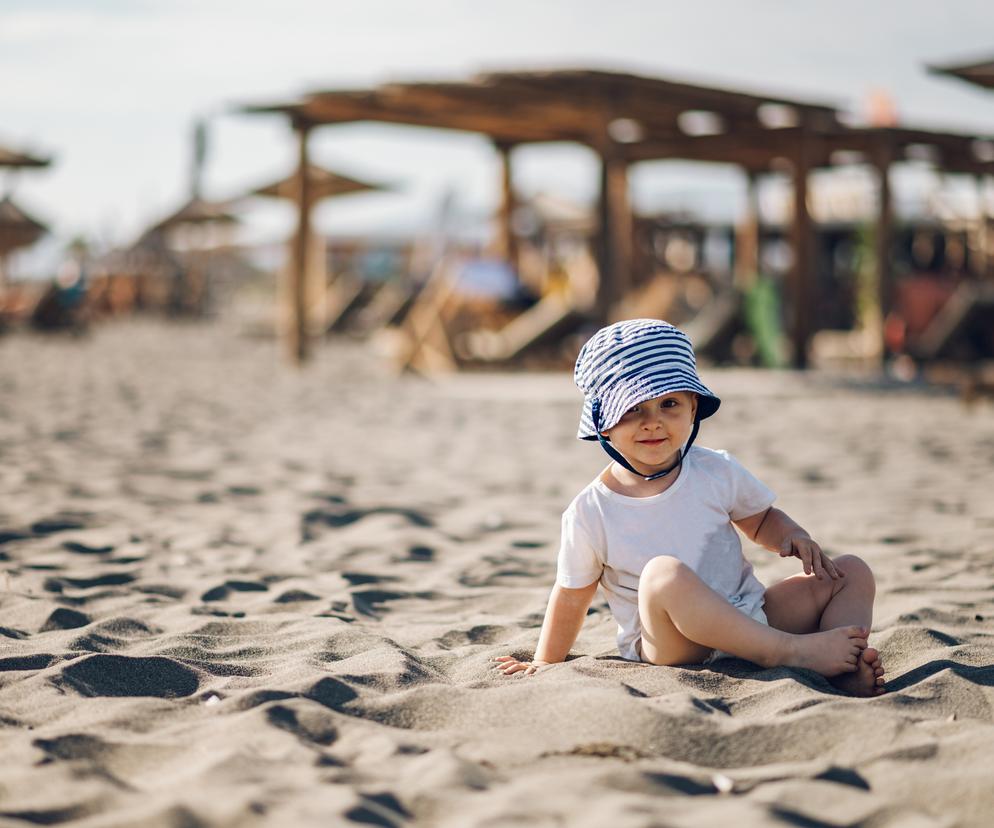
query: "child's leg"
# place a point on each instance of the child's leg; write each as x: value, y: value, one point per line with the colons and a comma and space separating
x: 804, y: 604
x: 683, y: 618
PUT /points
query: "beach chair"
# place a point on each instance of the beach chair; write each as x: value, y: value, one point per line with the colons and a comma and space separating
x: 962, y: 329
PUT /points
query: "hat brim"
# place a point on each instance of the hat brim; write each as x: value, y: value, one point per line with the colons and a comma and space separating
x: 616, y: 401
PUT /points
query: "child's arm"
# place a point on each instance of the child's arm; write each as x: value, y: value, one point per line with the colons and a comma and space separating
x: 563, y: 620
x: 774, y: 530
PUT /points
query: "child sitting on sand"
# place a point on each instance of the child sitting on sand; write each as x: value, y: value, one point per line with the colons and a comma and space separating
x: 655, y: 530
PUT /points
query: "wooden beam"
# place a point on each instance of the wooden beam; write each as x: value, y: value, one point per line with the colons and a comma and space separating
x: 507, y: 246
x: 752, y: 149
x: 802, y: 274
x: 298, y: 332
x: 519, y: 126
x: 884, y: 235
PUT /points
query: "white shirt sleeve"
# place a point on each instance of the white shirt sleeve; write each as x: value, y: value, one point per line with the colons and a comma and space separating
x: 748, y: 496
x: 580, y: 562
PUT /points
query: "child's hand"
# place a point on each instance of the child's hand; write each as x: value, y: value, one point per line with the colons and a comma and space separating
x: 804, y: 547
x: 509, y: 665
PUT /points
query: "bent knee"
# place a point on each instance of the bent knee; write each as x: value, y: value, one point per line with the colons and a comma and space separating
x: 855, y: 569
x: 663, y: 571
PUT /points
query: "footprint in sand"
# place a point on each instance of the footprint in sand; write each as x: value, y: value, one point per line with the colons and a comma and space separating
x: 8, y: 535
x: 117, y: 675
x: 363, y: 578
x: 220, y: 593
x: 65, y: 619
x: 368, y: 602
x: 336, y: 519
x: 328, y: 692
x: 86, y: 549
x: 383, y: 809
x: 39, y: 661
x: 311, y: 726
x: 480, y: 634
x: 294, y: 596
x: 421, y: 554
x: 61, y: 522
x: 110, y: 579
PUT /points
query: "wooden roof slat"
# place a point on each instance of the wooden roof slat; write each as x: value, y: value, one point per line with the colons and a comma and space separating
x: 684, y: 95
x: 326, y: 109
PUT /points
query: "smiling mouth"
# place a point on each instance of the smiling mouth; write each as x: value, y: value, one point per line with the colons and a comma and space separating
x: 653, y: 442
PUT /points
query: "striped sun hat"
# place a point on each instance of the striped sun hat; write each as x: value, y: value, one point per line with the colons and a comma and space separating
x: 630, y: 362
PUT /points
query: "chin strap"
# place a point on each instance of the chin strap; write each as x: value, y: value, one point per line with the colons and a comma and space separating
x: 619, y: 458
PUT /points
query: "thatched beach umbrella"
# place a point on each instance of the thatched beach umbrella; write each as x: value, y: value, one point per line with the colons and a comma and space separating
x: 980, y: 73
x: 322, y: 183
x: 10, y: 158
x: 17, y: 229
x: 196, y: 212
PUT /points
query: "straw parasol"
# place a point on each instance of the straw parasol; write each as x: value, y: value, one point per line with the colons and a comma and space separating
x: 197, y: 211
x: 980, y: 73
x: 10, y: 158
x: 17, y: 229
x: 322, y: 183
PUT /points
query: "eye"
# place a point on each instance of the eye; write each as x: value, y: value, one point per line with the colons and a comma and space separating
x: 672, y: 402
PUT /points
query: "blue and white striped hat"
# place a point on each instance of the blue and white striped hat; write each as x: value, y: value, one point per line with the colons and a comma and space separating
x: 630, y: 362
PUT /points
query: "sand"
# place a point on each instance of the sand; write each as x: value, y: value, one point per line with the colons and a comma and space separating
x: 235, y: 594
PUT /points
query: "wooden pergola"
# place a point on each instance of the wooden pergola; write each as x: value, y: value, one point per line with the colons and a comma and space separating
x: 626, y: 119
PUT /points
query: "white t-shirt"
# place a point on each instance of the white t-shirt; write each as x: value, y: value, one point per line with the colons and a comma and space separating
x: 611, y: 537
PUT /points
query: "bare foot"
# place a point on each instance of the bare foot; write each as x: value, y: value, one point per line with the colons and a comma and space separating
x: 868, y: 680
x: 831, y: 652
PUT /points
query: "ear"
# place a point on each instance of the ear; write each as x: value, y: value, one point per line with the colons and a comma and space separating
x: 694, y: 399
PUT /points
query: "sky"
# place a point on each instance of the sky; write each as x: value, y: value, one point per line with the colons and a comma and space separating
x: 111, y: 89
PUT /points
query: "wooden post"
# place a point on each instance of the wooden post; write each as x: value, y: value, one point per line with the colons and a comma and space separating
x: 802, y: 239
x: 747, y: 237
x: 507, y: 246
x: 883, y: 240
x: 298, y: 326
x: 615, y: 250
x: 980, y: 267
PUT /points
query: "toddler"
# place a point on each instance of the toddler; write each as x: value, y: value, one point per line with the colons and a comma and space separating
x: 657, y: 531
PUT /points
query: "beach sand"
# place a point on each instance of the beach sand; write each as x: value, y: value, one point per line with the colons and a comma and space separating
x: 237, y: 594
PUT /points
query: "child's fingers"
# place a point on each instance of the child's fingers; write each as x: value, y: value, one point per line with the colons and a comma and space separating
x: 830, y: 567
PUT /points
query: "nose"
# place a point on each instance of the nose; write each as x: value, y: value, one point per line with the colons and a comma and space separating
x: 650, y: 416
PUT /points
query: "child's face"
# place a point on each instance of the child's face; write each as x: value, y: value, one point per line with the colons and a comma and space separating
x: 651, y: 434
